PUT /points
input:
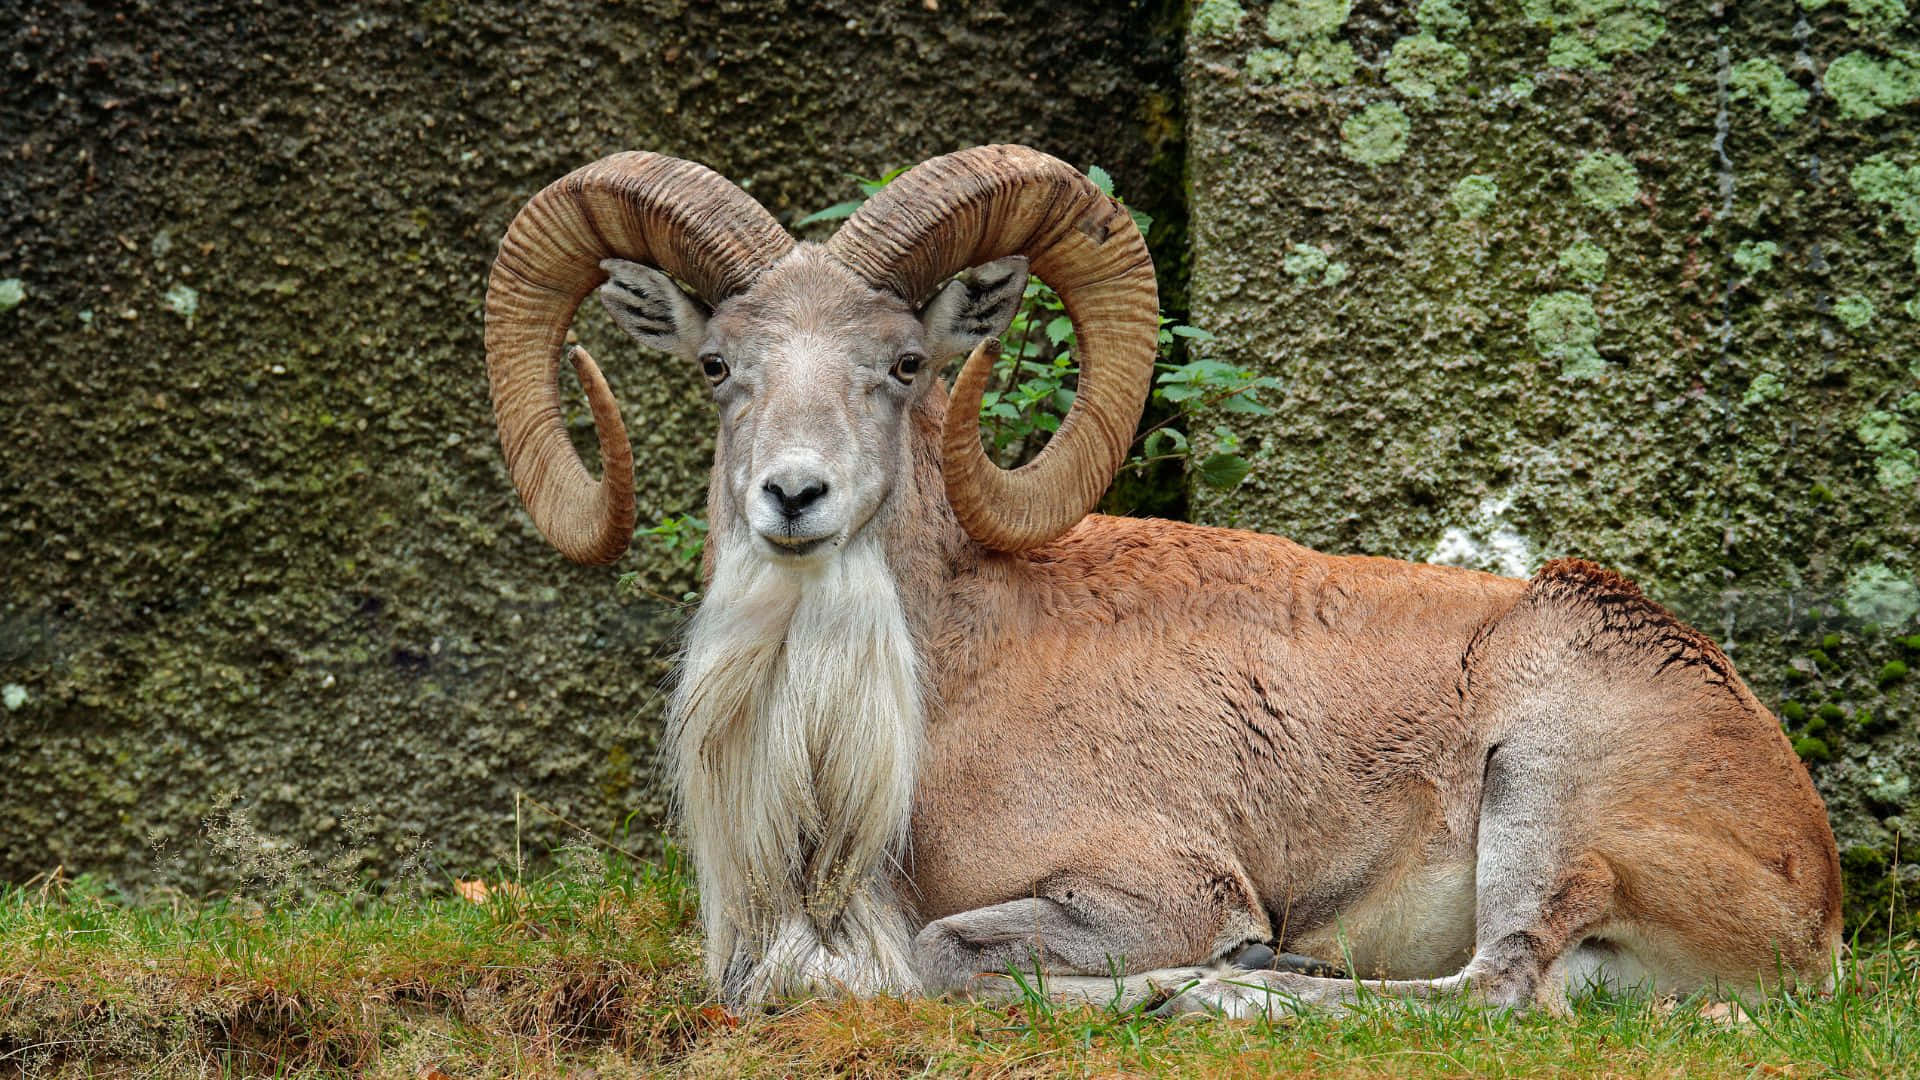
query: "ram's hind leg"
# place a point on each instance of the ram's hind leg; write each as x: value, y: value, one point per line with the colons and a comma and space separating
x: 1537, y: 894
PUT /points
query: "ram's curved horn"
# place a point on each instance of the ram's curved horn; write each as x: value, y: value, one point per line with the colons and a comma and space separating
x: 685, y: 219
x: 967, y: 208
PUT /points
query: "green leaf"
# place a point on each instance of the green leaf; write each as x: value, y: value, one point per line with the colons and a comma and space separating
x: 1194, y: 332
x: 1100, y: 179
x: 683, y: 537
x: 1223, y: 472
x: 1204, y: 373
x: 873, y: 185
x: 1164, y: 441
x: 831, y: 213
x: 1141, y: 220
x: 1245, y: 404
x: 1060, y: 329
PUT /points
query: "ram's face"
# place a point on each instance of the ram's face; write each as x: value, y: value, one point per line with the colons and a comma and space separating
x: 814, y: 375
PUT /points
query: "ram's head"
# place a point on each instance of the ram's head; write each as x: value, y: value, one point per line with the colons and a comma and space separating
x: 817, y: 354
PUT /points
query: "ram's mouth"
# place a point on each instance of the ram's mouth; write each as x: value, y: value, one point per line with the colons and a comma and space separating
x: 794, y: 547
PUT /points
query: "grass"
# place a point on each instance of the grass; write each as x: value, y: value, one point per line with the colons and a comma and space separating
x: 597, y: 967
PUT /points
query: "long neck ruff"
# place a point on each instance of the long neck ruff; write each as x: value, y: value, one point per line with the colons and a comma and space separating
x: 795, y: 732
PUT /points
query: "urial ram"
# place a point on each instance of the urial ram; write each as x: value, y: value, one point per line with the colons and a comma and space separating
x: 934, y: 721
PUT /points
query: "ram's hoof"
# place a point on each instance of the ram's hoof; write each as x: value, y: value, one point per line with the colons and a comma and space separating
x: 1261, y: 957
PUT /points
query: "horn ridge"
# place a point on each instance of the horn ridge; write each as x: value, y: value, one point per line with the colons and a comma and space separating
x: 649, y: 208
x: 976, y: 205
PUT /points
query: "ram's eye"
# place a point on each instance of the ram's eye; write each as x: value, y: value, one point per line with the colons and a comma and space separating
x: 714, y: 368
x: 907, y: 365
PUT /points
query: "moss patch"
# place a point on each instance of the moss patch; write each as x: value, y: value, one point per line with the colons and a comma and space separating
x: 1422, y: 65
x: 1320, y: 62
x: 1299, y: 20
x: 1472, y: 196
x: 1591, y: 33
x: 1377, y: 134
x: 1312, y: 53
x: 1878, y: 593
x: 1854, y: 312
x: 1310, y: 266
x: 1585, y: 261
x: 1881, y: 181
x: 1216, y: 19
x: 1762, y: 82
x: 1886, y: 437
x: 1442, y: 17
x: 1765, y: 387
x: 183, y: 300
x: 1755, y: 256
x: 1564, y: 327
x: 1865, y: 14
x: 1864, y: 86
x: 1605, y: 181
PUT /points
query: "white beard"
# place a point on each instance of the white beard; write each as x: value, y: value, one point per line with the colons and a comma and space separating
x: 794, y: 733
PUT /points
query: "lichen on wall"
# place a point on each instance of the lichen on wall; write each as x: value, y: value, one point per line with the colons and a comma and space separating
x: 1474, y: 195
x: 1592, y: 33
x: 1644, y: 279
x: 1376, y: 134
x: 1762, y: 81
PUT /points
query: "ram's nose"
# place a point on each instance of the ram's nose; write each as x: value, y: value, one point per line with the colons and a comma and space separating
x: 793, y: 491
x: 796, y: 501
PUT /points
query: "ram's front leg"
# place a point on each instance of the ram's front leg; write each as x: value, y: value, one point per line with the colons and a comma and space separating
x: 864, y: 950
x: 1130, y: 928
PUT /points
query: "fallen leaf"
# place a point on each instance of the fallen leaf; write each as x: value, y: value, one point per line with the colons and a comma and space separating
x: 477, y: 891
x: 431, y: 1072
x: 1725, y: 1013
x: 718, y: 1016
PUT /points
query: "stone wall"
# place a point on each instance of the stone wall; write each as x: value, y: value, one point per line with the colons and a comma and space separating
x: 255, y: 535
x: 1616, y: 278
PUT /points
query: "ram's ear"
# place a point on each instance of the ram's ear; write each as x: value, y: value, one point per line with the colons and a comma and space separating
x: 647, y: 304
x: 977, y: 304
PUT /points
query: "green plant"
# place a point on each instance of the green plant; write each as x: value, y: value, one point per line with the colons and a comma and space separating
x: 684, y: 537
